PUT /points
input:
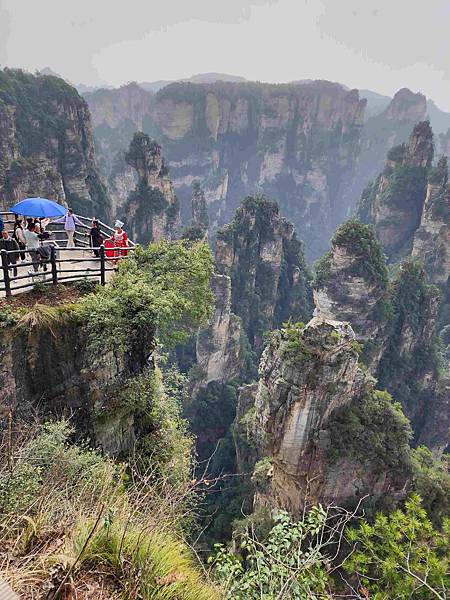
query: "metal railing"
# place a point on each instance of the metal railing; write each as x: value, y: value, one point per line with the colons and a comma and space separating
x: 81, y: 237
x: 53, y: 265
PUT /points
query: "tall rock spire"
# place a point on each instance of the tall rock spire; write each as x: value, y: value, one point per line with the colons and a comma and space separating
x: 152, y: 209
x: 394, y: 202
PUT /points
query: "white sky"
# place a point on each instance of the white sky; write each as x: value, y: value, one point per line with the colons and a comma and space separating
x: 382, y: 45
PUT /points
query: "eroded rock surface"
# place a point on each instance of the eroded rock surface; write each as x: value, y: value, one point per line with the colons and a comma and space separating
x: 46, y: 145
x: 309, y: 389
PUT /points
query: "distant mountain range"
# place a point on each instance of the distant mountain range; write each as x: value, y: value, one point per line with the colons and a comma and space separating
x: 376, y: 103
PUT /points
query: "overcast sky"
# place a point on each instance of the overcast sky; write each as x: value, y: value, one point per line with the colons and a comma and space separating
x: 382, y: 45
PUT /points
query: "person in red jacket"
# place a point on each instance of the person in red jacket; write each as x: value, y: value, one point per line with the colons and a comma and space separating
x: 120, y: 239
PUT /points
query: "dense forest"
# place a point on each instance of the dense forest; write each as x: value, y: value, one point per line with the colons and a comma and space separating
x: 227, y: 418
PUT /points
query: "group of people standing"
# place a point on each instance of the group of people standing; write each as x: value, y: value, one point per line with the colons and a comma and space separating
x: 28, y: 234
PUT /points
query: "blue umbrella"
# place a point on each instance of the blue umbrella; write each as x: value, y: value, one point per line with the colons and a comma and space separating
x: 38, y: 207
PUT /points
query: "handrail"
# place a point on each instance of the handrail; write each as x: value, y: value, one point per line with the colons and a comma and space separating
x: 7, y: 282
x: 82, y: 218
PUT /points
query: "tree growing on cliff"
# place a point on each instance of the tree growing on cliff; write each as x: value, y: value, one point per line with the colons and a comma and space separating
x: 162, y: 289
x: 402, y: 556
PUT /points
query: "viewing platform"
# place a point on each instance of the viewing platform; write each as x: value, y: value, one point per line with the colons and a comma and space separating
x: 64, y: 264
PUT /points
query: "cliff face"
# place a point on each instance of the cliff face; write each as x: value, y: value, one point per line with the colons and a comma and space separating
x: 394, y: 202
x: 220, y: 345
x: 152, y: 209
x: 310, y: 408
x: 382, y: 132
x: 432, y: 238
x: 297, y: 142
x: 200, y: 216
x: 269, y: 278
x: 51, y: 370
x: 46, y: 146
x: 409, y: 366
x: 351, y: 284
x: 395, y: 322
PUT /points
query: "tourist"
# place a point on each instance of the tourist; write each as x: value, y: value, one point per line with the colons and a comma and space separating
x: 10, y: 245
x: 19, y: 236
x: 120, y: 239
x: 96, y: 237
x: 69, y: 220
x: 33, y: 243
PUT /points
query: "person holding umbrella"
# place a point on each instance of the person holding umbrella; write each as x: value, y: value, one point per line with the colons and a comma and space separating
x: 69, y: 220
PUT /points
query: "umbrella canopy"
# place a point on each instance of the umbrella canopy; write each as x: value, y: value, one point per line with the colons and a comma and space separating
x: 38, y: 207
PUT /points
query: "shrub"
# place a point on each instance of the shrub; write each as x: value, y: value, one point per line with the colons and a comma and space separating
x: 372, y: 430
x: 288, y: 564
x: 40, y: 288
x: 152, y: 564
x: 47, y: 467
x: 86, y: 285
x: 69, y: 514
x: 161, y: 290
x: 8, y: 317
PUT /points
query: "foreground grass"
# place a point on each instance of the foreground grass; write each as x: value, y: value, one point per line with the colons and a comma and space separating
x: 72, y: 525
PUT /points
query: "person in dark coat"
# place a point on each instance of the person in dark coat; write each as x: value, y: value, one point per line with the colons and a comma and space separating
x: 19, y: 236
x: 9, y: 244
x: 97, y: 238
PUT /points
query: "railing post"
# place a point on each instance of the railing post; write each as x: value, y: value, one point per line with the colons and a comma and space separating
x: 102, y: 265
x: 6, y: 273
x: 53, y: 263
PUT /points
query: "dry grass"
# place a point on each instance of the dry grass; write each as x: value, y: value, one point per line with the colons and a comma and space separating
x: 73, y: 526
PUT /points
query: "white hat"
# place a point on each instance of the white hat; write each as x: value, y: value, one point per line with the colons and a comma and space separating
x: 118, y: 223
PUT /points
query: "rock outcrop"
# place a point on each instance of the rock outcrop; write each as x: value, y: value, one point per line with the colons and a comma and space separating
x: 152, y: 209
x: 51, y: 370
x: 395, y: 321
x: 409, y: 367
x: 351, y: 284
x: 220, y: 345
x: 382, y: 132
x: 315, y: 416
x: 270, y: 282
x: 46, y: 145
x: 432, y: 238
x: 394, y: 202
x: 200, y: 216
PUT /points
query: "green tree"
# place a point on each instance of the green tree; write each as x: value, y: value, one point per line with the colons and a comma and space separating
x: 401, y: 555
x: 161, y: 290
x: 288, y: 564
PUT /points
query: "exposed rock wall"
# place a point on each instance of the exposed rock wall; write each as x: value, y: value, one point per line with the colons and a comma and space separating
x: 395, y: 322
x: 432, y: 238
x: 52, y: 371
x: 310, y: 384
x: 394, y: 202
x: 351, y: 284
x: 270, y: 282
x: 152, y: 209
x: 297, y: 142
x: 46, y: 145
x: 384, y: 131
x: 200, y: 216
x: 220, y: 345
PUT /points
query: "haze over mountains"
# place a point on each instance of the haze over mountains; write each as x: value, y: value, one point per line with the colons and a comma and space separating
x: 311, y: 145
